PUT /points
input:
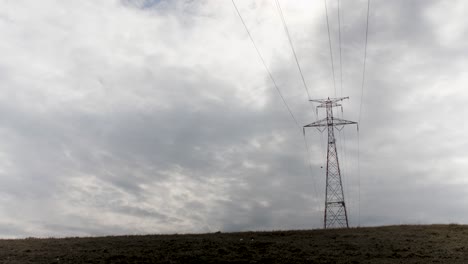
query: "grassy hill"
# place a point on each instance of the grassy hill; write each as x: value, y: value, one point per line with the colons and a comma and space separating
x: 389, y: 244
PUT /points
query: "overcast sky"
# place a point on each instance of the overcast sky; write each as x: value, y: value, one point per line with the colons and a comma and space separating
x: 145, y: 116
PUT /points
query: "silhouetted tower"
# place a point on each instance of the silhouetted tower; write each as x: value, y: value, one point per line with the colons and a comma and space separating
x: 335, y: 207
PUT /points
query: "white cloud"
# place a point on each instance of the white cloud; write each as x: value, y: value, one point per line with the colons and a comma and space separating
x: 157, y: 116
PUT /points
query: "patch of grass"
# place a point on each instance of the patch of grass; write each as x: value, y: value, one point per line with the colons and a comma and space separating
x: 389, y: 244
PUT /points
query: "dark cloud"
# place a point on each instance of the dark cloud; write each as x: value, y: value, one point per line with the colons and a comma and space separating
x: 163, y: 120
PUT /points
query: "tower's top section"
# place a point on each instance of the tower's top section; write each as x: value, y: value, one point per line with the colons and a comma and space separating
x: 332, y: 101
x: 329, y: 120
x: 329, y: 101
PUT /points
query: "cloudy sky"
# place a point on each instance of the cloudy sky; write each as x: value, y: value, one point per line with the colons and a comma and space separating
x: 146, y: 116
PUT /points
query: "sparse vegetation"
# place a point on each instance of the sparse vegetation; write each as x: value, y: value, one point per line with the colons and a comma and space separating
x: 390, y: 244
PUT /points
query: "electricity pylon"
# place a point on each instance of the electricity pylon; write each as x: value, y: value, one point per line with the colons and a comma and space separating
x: 335, y: 207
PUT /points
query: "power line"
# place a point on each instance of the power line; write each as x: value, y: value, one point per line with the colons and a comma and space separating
x: 359, y: 180
x: 360, y: 111
x: 285, y: 27
x: 276, y: 86
x: 280, y: 11
x: 364, y: 64
x: 346, y: 166
x: 344, y: 162
x: 339, y: 39
x: 310, y: 165
x: 266, y: 67
x: 329, y: 41
x: 342, y: 133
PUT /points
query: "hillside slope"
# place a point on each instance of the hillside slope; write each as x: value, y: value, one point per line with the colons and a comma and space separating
x: 390, y: 244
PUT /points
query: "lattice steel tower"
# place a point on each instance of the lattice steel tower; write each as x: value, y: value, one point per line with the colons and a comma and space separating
x: 335, y: 207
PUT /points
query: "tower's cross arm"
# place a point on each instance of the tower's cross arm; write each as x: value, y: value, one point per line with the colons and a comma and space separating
x: 336, y: 122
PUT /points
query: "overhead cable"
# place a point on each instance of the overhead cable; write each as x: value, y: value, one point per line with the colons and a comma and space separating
x: 329, y: 42
x: 280, y: 11
x: 360, y: 111
x: 339, y: 40
x: 266, y: 67
x: 364, y: 63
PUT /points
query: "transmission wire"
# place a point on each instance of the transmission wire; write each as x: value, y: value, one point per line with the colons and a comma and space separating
x: 329, y: 42
x: 285, y: 27
x: 344, y: 161
x: 280, y: 11
x: 339, y: 39
x: 310, y: 164
x: 364, y: 63
x: 360, y: 111
x: 343, y: 132
x: 359, y: 179
x: 266, y: 67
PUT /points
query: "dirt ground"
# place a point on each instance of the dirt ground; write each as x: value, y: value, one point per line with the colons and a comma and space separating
x: 390, y: 244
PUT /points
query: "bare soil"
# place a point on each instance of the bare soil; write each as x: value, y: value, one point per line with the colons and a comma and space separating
x: 389, y: 244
